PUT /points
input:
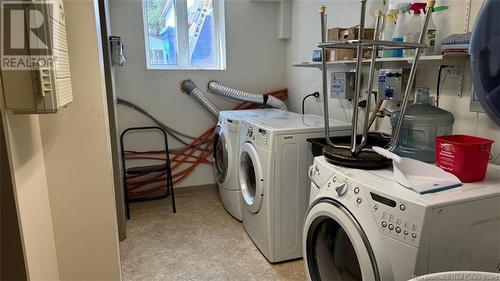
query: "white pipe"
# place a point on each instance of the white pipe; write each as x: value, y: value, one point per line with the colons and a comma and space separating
x: 221, y: 90
x: 188, y: 87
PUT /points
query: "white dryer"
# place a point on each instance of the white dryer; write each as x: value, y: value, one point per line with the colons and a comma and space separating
x: 361, y: 225
x: 226, y: 146
x: 273, y: 179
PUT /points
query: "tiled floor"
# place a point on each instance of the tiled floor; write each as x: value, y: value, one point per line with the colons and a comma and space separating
x: 200, y: 242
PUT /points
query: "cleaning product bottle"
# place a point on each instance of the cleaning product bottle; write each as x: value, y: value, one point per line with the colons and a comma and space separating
x: 400, y: 30
x: 389, y: 27
x: 431, y: 39
x: 415, y: 26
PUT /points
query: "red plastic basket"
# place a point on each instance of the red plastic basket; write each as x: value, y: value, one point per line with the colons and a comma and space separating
x: 464, y: 156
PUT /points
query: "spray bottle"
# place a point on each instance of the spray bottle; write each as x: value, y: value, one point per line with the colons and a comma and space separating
x: 400, y: 30
x: 389, y: 27
x: 415, y: 26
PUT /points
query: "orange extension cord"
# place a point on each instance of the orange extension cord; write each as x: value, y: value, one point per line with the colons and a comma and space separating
x: 194, y: 154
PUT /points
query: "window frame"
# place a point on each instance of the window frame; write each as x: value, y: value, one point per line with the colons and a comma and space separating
x: 182, y: 36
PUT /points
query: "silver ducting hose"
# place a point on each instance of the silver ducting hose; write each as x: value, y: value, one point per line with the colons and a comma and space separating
x: 219, y: 89
x: 188, y: 87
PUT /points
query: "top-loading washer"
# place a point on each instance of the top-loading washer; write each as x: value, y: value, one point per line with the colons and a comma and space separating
x: 225, y: 154
x: 362, y: 225
x: 273, y: 179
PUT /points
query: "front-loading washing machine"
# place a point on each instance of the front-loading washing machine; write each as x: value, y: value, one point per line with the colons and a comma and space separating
x: 273, y: 178
x: 226, y: 146
x: 362, y: 225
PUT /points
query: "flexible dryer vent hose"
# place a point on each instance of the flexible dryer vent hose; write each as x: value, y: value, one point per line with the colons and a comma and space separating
x: 221, y: 90
x: 188, y: 87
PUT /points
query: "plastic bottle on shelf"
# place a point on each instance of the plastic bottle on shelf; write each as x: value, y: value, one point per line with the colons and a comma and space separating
x: 431, y: 39
x: 389, y: 27
x: 400, y: 29
x: 415, y: 26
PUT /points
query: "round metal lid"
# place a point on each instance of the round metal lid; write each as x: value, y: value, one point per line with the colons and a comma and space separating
x: 366, y: 159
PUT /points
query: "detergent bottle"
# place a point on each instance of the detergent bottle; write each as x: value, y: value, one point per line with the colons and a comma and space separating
x: 400, y: 29
x: 415, y: 26
x: 389, y: 27
x: 431, y: 39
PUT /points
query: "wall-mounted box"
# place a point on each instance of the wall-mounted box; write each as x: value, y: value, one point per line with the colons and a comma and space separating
x: 392, y: 83
x: 35, y: 61
x: 342, y: 85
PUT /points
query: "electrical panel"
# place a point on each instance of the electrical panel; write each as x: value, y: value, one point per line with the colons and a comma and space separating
x: 36, y: 78
x: 342, y: 85
x: 392, y: 83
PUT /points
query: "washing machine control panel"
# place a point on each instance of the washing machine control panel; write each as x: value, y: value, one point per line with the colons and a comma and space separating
x: 397, y: 218
x: 369, y: 196
x: 394, y: 217
x: 257, y: 136
x: 232, y: 125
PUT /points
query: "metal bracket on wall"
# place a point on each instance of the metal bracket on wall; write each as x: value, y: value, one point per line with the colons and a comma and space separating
x: 460, y: 81
x: 468, y: 5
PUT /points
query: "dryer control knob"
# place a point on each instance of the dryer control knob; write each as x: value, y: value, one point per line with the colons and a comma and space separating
x: 341, y: 189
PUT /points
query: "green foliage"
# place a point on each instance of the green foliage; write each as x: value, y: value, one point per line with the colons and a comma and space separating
x: 154, y: 14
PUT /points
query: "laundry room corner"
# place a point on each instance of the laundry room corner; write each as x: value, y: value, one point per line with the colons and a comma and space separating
x: 159, y: 90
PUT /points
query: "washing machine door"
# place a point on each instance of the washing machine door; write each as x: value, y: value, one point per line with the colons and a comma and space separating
x: 336, y: 247
x: 251, y: 178
x: 220, y: 154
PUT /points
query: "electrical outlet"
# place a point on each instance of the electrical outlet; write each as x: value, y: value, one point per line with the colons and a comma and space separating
x: 320, y: 91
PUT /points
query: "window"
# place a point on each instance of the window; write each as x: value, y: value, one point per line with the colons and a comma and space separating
x: 184, y: 34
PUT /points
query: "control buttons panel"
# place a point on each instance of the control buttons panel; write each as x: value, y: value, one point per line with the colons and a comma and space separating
x: 396, y: 222
x: 399, y: 219
x: 345, y: 189
x: 258, y: 136
x: 233, y: 127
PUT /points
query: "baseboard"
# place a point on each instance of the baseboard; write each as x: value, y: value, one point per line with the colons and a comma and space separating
x: 195, y: 189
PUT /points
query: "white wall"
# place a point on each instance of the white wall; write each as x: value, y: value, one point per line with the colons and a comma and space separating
x: 345, y: 13
x: 255, y: 62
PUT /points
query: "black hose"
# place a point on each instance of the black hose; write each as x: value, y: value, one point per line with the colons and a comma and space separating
x: 315, y: 94
x: 169, y: 130
x: 441, y: 67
